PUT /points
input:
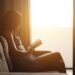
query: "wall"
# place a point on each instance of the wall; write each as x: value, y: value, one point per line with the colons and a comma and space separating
x: 74, y: 35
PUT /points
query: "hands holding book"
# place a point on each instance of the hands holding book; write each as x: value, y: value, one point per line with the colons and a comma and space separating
x: 35, y: 44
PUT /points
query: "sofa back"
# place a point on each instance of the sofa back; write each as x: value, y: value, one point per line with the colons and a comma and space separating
x: 3, y: 63
x: 4, y: 44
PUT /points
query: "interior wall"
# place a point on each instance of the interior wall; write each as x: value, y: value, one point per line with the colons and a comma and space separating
x: 74, y: 35
x: 22, y: 6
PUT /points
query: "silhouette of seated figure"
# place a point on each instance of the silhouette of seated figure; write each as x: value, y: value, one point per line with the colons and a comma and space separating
x: 23, y: 60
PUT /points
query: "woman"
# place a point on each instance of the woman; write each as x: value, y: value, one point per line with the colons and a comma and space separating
x: 21, y: 58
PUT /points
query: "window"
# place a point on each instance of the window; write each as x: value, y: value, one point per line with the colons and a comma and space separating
x: 52, y: 22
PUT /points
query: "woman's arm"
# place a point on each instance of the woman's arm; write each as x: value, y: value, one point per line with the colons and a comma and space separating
x: 16, y: 50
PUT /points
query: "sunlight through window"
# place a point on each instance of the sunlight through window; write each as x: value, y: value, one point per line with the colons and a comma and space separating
x: 52, y: 22
x: 51, y: 13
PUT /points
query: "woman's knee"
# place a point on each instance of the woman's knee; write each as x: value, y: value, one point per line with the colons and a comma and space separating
x: 57, y: 55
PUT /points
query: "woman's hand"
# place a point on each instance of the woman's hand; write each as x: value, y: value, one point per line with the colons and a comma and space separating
x: 30, y: 49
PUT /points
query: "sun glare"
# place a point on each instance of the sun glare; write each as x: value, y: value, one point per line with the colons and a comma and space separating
x: 51, y: 13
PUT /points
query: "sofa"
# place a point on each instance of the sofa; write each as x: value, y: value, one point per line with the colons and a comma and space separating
x: 6, y: 64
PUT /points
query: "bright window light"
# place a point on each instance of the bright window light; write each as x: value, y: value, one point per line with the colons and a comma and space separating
x: 52, y: 22
x: 51, y: 13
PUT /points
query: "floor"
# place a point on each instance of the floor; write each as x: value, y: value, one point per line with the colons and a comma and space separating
x: 70, y: 72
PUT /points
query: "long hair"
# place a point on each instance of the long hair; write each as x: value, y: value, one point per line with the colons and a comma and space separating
x: 10, y: 20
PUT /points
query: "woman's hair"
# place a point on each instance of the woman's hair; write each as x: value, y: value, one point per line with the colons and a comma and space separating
x: 10, y: 20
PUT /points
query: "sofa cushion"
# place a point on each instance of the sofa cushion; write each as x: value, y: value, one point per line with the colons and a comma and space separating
x: 6, y: 52
x: 3, y: 63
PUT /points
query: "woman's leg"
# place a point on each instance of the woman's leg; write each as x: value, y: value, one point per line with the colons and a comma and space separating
x: 46, y: 62
x: 51, y: 62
